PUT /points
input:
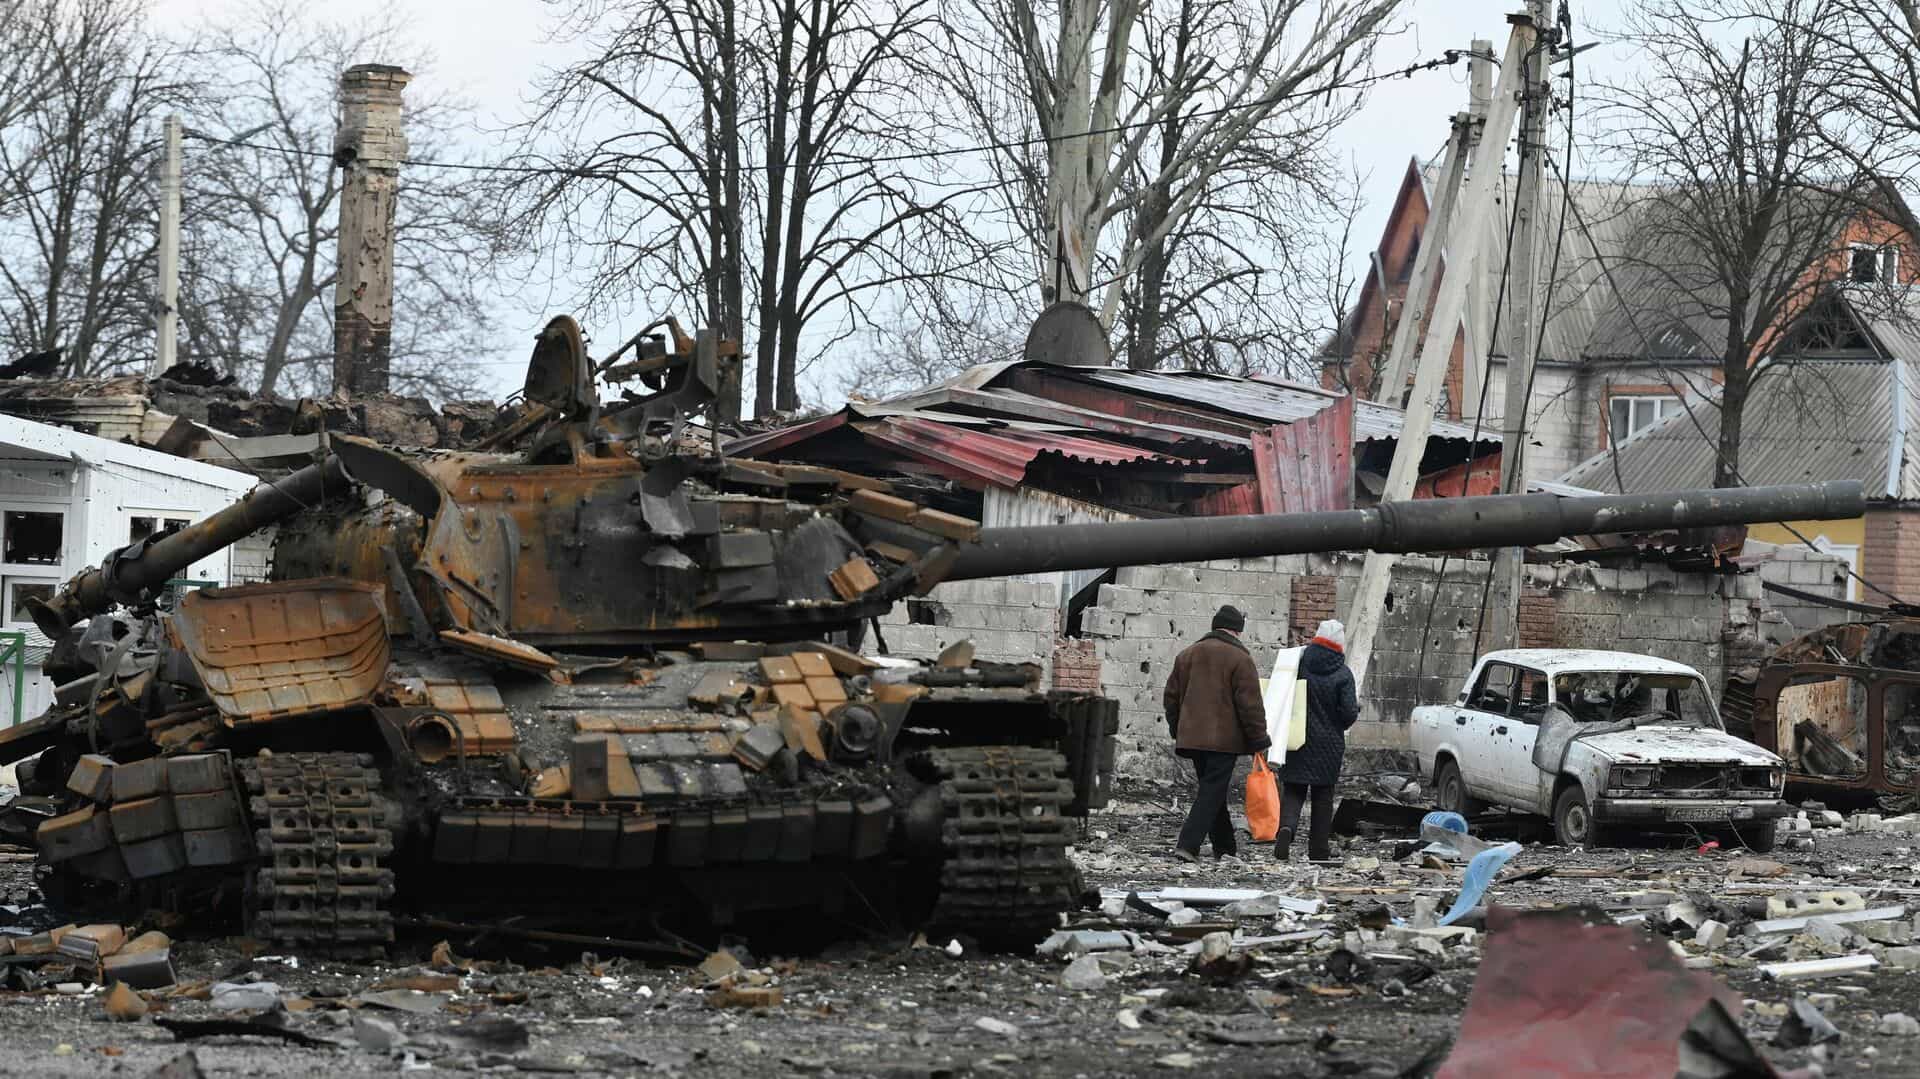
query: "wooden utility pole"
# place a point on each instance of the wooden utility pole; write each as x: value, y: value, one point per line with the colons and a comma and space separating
x: 368, y: 146
x: 1368, y: 603
x: 1522, y: 321
x: 167, y: 323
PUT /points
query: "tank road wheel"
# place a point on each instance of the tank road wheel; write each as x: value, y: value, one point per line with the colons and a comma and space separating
x: 321, y: 830
x: 1005, y: 875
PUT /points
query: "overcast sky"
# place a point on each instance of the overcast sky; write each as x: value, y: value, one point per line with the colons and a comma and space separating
x: 488, y: 53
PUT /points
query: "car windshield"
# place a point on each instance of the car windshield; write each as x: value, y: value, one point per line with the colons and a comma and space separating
x: 1611, y: 696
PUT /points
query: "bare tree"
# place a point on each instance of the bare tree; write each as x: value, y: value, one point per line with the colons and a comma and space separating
x: 262, y: 205
x: 1258, y: 72
x: 757, y: 163
x: 1740, y: 218
x: 1193, y: 184
x: 76, y: 195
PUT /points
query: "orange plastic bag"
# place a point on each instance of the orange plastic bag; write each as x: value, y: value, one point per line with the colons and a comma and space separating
x: 1263, y: 801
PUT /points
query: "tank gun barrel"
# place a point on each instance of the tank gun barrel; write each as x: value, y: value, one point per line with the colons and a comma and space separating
x: 1426, y: 524
x: 136, y: 570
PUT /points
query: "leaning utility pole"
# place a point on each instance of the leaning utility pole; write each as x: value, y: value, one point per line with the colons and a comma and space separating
x: 1368, y: 603
x: 368, y: 146
x: 1523, y: 320
x: 167, y: 324
x: 1426, y: 264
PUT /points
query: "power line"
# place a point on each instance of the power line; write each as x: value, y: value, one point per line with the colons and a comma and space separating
x: 1450, y: 56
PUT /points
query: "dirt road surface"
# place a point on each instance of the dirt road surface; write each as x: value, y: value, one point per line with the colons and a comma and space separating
x: 894, y: 1006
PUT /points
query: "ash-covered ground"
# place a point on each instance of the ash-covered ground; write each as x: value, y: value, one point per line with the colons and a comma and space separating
x: 906, y: 1006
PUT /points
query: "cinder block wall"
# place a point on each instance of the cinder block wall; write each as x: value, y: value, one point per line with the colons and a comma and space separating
x: 1138, y: 624
x: 1143, y: 620
x: 1008, y: 622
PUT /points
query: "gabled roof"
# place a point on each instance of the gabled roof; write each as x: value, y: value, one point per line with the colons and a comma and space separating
x: 1811, y: 415
x: 1614, y: 296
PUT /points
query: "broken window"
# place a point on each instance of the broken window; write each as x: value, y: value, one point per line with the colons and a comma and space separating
x: 21, y: 589
x: 1629, y: 415
x: 1533, y: 696
x: 1494, y: 692
x: 1610, y: 696
x: 1869, y: 264
x: 32, y: 538
x: 141, y: 527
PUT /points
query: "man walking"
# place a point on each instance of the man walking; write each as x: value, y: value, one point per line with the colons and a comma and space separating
x: 1313, y: 770
x: 1215, y: 716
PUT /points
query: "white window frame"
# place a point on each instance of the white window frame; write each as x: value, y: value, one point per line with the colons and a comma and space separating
x: 160, y: 518
x: 1658, y: 402
x: 1885, y: 262
x: 12, y: 573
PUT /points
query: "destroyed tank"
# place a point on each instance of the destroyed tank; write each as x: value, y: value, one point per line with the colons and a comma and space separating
x: 601, y: 668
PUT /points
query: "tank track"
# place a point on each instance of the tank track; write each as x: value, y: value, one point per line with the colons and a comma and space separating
x: 321, y: 830
x: 1006, y: 872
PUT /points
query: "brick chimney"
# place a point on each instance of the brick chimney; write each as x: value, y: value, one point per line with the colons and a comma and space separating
x: 368, y: 146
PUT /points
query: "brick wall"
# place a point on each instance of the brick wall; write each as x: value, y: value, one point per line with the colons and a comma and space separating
x: 1076, y: 665
x: 1890, y: 557
x: 1313, y: 599
x: 1537, y: 618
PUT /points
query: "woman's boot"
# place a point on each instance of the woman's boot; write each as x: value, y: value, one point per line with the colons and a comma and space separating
x: 1283, y: 845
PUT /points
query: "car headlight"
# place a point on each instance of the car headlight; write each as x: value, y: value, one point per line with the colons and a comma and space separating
x: 1641, y: 775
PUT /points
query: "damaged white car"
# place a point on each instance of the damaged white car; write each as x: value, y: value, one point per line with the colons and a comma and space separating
x: 1597, y: 740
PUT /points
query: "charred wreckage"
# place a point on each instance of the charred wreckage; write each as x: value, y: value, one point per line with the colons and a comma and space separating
x: 606, y: 652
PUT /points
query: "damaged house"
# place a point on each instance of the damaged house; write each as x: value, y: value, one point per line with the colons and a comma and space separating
x: 1025, y: 443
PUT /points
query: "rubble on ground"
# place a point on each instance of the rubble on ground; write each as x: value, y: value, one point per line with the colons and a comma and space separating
x: 1240, y: 966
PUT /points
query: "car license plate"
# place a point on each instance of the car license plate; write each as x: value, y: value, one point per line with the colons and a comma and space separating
x: 1698, y: 813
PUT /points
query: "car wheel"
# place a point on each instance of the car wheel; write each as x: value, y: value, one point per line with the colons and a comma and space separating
x: 1573, y: 823
x: 1450, y: 791
x: 1760, y: 837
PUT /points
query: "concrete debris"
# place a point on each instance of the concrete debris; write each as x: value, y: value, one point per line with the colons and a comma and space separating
x: 377, y: 1035
x: 1817, y: 903
x: 1711, y: 935
x: 997, y: 1026
x: 1846, y: 916
x: 1084, y: 973
x: 1898, y: 1025
x: 1081, y: 941
x: 244, y: 996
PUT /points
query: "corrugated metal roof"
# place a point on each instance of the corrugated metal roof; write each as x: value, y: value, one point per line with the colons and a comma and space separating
x: 1000, y: 455
x: 1268, y: 402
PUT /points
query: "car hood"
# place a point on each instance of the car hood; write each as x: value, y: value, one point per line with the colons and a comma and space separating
x: 1678, y: 745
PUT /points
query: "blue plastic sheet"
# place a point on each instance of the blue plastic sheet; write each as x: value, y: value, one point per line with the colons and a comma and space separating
x: 1480, y: 873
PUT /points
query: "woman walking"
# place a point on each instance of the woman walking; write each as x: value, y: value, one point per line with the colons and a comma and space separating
x: 1313, y: 770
